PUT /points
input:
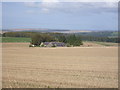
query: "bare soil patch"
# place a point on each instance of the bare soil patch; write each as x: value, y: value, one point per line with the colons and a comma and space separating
x: 70, y: 67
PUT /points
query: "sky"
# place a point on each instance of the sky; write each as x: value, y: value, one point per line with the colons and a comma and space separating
x: 60, y: 15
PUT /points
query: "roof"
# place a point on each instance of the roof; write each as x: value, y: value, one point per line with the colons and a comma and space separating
x: 54, y: 43
x: 46, y: 43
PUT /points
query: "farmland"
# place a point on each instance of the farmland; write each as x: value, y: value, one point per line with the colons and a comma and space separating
x: 60, y: 67
x: 15, y: 39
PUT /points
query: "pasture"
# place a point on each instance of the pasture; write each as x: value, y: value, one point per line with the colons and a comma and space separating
x: 60, y: 67
x: 15, y: 39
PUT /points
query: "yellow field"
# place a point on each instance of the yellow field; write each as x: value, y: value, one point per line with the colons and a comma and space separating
x: 67, y: 67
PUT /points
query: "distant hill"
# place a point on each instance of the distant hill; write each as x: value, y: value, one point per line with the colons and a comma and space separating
x: 111, y: 34
x: 44, y: 30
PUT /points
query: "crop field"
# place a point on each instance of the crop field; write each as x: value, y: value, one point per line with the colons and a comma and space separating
x: 60, y: 67
x: 15, y: 39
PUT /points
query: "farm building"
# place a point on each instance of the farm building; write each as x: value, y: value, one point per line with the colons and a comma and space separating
x: 53, y: 44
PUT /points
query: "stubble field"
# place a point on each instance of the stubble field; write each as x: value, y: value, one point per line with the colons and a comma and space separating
x: 67, y: 67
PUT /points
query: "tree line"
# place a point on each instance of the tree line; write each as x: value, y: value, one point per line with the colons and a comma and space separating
x: 72, y: 39
x: 101, y: 39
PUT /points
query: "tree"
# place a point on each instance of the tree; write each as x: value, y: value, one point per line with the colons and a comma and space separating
x: 74, y: 40
x: 47, y: 38
x: 62, y: 39
x: 36, y: 39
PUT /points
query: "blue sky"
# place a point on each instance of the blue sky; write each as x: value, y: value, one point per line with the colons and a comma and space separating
x: 60, y: 15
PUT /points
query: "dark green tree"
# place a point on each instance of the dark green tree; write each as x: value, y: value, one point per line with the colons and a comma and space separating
x: 62, y: 39
x: 36, y: 39
x: 74, y: 40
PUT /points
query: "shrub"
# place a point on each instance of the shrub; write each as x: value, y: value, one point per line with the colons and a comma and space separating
x: 68, y: 45
x: 31, y: 45
x: 42, y: 45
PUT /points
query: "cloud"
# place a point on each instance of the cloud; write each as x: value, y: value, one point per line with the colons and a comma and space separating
x: 73, y: 7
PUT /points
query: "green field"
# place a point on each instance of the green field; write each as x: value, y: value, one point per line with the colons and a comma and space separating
x: 106, y: 43
x: 23, y: 40
x: 15, y: 39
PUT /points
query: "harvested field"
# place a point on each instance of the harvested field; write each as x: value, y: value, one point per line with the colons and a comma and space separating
x: 63, y: 67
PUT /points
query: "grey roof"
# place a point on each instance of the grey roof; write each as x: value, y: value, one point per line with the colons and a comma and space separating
x: 46, y: 43
x: 55, y: 43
